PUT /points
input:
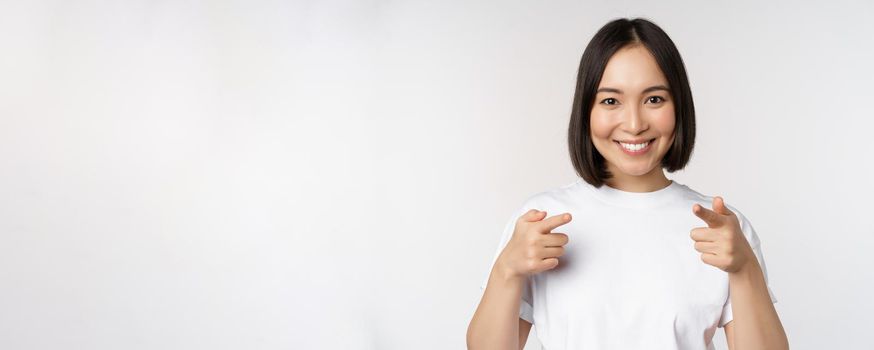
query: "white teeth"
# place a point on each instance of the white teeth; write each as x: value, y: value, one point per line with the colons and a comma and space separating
x: 634, y: 147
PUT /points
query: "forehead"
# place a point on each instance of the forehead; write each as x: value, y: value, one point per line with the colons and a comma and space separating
x: 632, y: 68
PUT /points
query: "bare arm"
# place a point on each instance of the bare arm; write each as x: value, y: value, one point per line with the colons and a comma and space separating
x: 496, y: 323
x: 532, y: 249
x: 729, y: 334
x: 524, y: 331
x: 755, y: 324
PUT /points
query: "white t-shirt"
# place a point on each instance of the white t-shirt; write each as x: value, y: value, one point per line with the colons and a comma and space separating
x: 630, y: 277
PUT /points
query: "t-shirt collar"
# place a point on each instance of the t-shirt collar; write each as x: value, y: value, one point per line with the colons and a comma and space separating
x: 635, y: 199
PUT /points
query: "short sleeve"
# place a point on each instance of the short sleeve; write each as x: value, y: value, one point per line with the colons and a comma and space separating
x: 756, y: 244
x: 526, y: 311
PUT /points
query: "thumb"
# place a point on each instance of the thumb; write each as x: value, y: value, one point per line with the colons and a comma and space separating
x: 533, y: 215
x: 719, y: 206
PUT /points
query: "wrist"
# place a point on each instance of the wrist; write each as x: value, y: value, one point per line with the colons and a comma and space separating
x: 747, y: 272
x: 505, y: 274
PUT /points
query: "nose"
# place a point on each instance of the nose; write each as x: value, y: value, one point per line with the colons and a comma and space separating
x: 633, y: 121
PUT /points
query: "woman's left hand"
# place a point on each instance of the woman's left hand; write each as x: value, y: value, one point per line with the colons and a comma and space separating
x: 722, y: 244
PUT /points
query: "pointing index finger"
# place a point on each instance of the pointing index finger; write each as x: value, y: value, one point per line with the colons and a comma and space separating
x: 552, y: 222
x: 709, y: 216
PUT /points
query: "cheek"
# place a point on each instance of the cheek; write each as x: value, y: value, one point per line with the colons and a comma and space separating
x: 663, y: 120
x: 601, y: 124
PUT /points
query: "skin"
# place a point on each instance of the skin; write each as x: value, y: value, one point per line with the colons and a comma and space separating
x: 633, y: 103
x: 622, y: 112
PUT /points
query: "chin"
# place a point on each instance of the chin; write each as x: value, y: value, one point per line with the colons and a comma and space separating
x: 635, y: 171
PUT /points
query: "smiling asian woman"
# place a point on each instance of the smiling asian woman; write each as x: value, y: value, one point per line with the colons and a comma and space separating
x: 632, y: 259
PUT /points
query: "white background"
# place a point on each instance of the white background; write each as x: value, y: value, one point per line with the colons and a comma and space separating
x: 335, y: 175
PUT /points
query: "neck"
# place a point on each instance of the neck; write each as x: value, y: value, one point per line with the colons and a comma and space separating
x: 649, y: 182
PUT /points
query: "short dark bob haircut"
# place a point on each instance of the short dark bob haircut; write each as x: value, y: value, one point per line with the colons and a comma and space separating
x: 588, y: 162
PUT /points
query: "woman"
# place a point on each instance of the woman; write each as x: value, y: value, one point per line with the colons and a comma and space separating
x: 640, y: 262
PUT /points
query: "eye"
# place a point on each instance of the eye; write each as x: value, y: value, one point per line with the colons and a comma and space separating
x: 609, y: 101
x: 655, y: 99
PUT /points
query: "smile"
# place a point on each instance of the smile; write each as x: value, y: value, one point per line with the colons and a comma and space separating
x: 635, y: 148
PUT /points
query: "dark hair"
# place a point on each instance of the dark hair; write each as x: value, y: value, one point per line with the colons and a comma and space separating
x: 616, y: 34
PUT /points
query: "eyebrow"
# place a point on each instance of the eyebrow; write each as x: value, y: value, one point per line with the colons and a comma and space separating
x: 649, y: 89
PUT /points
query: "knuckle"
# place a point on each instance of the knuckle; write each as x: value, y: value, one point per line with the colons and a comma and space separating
x: 531, y: 240
x: 531, y: 253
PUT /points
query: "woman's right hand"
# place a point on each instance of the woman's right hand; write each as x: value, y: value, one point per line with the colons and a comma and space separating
x: 533, y: 248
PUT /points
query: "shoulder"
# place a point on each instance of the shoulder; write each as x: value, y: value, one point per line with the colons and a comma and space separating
x: 557, y: 195
x: 706, y: 201
x: 692, y: 195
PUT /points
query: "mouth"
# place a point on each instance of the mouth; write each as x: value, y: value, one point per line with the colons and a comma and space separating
x: 636, y: 147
